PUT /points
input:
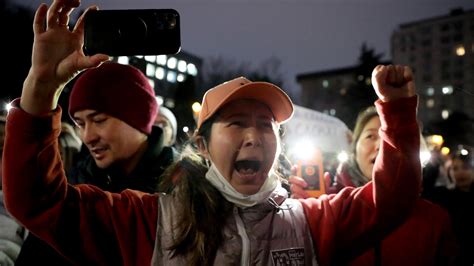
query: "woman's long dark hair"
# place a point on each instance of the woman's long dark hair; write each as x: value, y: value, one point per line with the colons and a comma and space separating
x: 203, y: 210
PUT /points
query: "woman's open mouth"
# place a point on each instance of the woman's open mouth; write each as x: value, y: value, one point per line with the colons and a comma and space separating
x: 247, y: 167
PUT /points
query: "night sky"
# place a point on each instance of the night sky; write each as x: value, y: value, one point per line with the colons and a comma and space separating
x: 306, y: 35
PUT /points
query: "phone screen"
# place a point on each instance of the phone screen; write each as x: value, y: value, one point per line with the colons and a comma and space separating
x: 310, y: 174
x: 311, y: 170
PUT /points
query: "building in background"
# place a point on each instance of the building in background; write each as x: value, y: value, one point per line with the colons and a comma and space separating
x: 341, y: 92
x: 167, y: 73
x: 441, y: 52
x: 324, y: 91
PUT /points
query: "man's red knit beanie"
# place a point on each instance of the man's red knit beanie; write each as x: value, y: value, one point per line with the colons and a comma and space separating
x: 121, y: 91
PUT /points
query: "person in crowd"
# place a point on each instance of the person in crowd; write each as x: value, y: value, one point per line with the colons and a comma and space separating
x: 426, y: 238
x: 459, y: 201
x: 12, y: 234
x: 69, y: 146
x: 114, y: 108
x: 166, y: 120
x: 434, y: 172
x: 224, y: 202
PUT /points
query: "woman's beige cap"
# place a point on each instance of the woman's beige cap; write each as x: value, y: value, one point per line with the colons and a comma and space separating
x: 241, y: 88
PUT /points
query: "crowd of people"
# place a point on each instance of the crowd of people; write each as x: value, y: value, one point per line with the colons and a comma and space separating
x: 112, y: 189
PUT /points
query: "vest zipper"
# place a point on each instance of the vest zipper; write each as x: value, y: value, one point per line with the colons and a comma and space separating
x: 245, y: 259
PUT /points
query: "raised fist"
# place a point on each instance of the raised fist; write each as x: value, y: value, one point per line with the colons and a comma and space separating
x: 393, y: 82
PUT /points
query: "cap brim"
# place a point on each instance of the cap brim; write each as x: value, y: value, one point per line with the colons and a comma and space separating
x: 272, y: 96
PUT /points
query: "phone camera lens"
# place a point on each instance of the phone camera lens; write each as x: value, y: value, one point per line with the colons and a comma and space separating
x: 171, y: 21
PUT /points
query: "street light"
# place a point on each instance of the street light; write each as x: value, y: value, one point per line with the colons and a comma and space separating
x: 196, y: 107
x: 445, y: 150
x: 8, y: 107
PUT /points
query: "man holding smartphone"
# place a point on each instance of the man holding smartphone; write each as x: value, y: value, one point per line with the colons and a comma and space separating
x: 115, y: 108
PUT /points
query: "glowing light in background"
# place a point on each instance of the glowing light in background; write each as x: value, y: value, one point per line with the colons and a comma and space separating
x: 171, y: 76
x: 425, y: 157
x: 437, y: 139
x: 159, y: 100
x: 161, y: 59
x: 182, y: 66
x: 172, y: 62
x: 460, y: 51
x: 303, y: 149
x: 151, y: 82
x: 150, y: 70
x: 8, y: 107
x: 192, y: 70
x: 123, y: 60
x: 196, y: 107
x: 445, y: 150
x: 447, y: 90
x: 150, y: 58
x: 342, y: 157
x: 160, y: 73
x: 445, y: 114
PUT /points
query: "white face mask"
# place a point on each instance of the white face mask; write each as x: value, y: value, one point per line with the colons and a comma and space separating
x: 228, y: 191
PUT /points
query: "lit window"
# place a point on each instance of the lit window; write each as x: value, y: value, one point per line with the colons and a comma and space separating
x: 139, y: 56
x: 160, y: 73
x: 159, y: 100
x: 180, y: 78
x: 161, y: 59
x: 169, y: 103
x: 368, y: 81
x: 325, y: 83
x: 171, y: 76
x: 150, y: 58
x: 192, y: 70
x: 150, y: 70
x: 152, y: 83
x: 430, y: 91
x: 360, y: 78
x: 460, y: 51
x: 172, y: 62
x: 332, y: 112
x: 445, y: 114
x: 448, y: 90
x: 430, y: 103
x: 182, y: 66
x: 123, y: 60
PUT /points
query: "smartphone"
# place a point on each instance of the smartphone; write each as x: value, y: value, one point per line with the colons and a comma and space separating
x: 132, y: 32
x: 311, y: 170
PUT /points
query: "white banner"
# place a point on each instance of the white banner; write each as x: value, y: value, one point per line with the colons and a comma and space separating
x: 316, y: 129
